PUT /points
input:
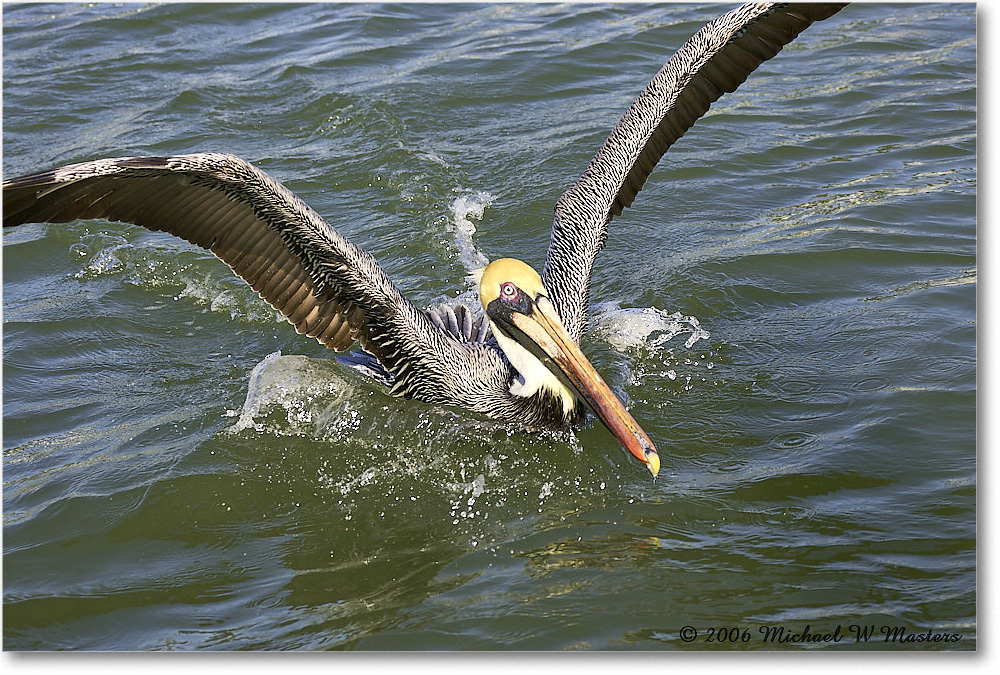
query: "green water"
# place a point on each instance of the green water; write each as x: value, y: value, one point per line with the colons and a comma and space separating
x: 789, y: 310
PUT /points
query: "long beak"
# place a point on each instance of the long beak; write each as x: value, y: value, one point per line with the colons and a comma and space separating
x: 552, y: 344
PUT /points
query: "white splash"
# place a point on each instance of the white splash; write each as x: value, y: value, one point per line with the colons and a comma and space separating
x: 652, y: 328
x: 303, y: 388
x: 107, y: 260
x: 463, y: 210
x: 475, y: 489
x: 546, y: 491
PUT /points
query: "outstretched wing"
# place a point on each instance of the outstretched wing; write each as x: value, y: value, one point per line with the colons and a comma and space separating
x: 327, y: 287
x: 717, y: 59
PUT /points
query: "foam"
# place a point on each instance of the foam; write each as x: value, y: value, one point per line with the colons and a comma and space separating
x: 463, y: 209
x: 650, y: 328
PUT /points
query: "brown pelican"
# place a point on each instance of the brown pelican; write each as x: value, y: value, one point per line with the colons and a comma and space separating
x: 531, y: 372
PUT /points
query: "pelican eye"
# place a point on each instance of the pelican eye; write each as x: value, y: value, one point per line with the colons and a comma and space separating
x: 508, y: 291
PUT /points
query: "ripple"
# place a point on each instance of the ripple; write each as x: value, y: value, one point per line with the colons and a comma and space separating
x: 794, y: 439
x: 967, y: 276
x: 871, y: 383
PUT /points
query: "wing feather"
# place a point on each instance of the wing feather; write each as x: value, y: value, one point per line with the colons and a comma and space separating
x: 324, y: 285
x: 716, y: 60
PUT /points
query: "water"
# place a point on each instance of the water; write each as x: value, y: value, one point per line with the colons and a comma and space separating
x: 789, y: 310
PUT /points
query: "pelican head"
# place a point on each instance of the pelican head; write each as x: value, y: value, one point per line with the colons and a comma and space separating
x: 529, y: 331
